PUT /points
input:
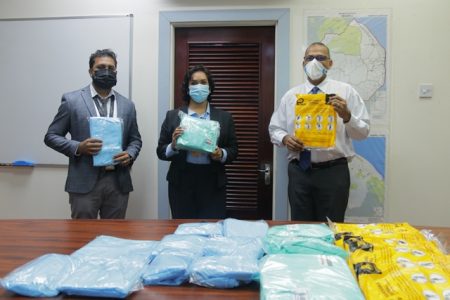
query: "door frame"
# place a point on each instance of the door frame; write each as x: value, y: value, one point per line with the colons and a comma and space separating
x: 168, y: 20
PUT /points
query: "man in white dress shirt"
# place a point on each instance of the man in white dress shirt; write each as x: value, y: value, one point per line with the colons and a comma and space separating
x: 319, y: 179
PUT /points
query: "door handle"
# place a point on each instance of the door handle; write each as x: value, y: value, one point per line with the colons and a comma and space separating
x: 266, y: 172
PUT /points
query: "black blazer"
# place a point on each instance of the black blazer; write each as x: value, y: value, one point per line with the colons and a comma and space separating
x: 227, y: 140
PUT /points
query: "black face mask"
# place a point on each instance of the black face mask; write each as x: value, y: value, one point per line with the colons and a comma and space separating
x: 104, y: 78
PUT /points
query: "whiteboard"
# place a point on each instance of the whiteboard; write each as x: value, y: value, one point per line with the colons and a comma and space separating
x: 42, y: 58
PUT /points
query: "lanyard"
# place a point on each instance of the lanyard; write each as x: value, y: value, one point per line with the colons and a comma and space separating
x: 103, y: 110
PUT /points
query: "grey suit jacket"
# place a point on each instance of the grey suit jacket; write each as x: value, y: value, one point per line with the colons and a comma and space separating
x: 73, y: 117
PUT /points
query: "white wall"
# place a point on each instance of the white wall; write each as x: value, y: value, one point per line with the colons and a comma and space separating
x: 417, y: 192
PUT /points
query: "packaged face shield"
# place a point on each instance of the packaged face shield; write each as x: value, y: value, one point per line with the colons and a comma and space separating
x: 315, y: 121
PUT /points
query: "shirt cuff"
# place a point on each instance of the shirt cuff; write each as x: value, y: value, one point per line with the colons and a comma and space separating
x: 224, y: 156
x: 351, y: 121
x: 170, y: 152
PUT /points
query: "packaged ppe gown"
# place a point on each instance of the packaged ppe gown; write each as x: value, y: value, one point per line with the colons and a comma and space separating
x: 198, y: 134
x: 109, y: 130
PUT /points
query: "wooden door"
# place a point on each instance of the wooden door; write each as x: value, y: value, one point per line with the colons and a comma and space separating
x: 241, y: 60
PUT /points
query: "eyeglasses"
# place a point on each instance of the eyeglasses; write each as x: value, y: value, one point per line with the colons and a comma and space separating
x: 318, y: 57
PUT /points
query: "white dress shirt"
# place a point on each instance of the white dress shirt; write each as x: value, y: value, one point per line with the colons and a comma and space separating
x: 282, y: 121
x: 108, y: 103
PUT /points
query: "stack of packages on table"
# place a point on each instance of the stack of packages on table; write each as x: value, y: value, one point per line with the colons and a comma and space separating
x: 223, y: 254
x: 396, y: 261
x: 295, y: 261
x: 303, y: 263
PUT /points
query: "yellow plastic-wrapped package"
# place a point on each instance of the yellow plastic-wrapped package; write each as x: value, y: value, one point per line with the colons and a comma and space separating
x: 315, y: 121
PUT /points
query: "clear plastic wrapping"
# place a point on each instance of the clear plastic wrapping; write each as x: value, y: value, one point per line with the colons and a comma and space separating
x: 108, y: 267
x: 223, y: 271
x: 207, y: 229
x: 168, y: 268
x: 233, y: 227
x: 106, y: 247
x: 396, y: 261
x: 111, y: 278
x: 234, y: 246
x: 181, y: 242
x: 302, y: 239
x: 317, y: 231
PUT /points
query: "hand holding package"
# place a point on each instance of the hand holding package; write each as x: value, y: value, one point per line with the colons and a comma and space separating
x: 198, y: 134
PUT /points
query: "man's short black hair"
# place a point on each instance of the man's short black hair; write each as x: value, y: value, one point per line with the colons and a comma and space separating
x: 187, y: 78
x: 102, y: 53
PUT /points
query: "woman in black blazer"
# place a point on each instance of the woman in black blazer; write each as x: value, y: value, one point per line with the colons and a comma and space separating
x: 197, y: 180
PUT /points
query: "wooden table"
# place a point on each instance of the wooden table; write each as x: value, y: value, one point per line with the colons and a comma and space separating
x: 24, y: 240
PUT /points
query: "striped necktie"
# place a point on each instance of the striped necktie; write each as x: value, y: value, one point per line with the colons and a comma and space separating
x: 305, y: 155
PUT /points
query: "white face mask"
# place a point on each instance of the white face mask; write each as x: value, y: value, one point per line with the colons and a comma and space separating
x: 315, y: 70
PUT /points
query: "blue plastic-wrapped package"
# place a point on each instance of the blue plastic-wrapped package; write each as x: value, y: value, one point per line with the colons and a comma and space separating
x: 168, y: 268
x: 109, y: 247
x: 198, y: 134
x: 234, y: 227
x: 223, y: 271
x: 108, y: 267
x: 109, y: 278
x: 39, y: 277
x: 202, y: 228
x: 181, y: 242
x: 110, y: 131
x: 234, y: 246
x: 312, y: 277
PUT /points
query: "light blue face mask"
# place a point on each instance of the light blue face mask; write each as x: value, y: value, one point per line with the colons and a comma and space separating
x: 199, y: 92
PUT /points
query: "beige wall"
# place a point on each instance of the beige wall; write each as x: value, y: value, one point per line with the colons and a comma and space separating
x: 417, y: 192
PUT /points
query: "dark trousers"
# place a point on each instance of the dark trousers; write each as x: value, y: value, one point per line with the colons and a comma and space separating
x: 105, y: 200
x: 318, y: 193
x: 197, y: 195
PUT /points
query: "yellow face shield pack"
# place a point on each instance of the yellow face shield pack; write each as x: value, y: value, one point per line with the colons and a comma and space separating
x: 315, y: 121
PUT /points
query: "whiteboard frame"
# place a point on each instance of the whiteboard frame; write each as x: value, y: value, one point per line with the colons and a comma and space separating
x: 58, y: 159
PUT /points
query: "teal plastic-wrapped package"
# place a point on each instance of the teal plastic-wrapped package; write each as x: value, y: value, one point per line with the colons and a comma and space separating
x: 301, y: 245
x: 198, y: 134
x: 318, y: 231
x: 302, y: 239
x: 312, y: 277
x: 109, y: 130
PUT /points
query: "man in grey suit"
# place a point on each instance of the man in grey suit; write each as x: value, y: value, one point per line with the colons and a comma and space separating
x: 93, y: 190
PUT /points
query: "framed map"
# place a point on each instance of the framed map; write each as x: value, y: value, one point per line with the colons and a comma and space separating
x: 359, y: 43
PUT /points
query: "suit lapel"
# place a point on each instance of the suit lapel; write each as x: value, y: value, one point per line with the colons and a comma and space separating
x: 119, y: 105
x: 87, y: 98
x: 214, y: 113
